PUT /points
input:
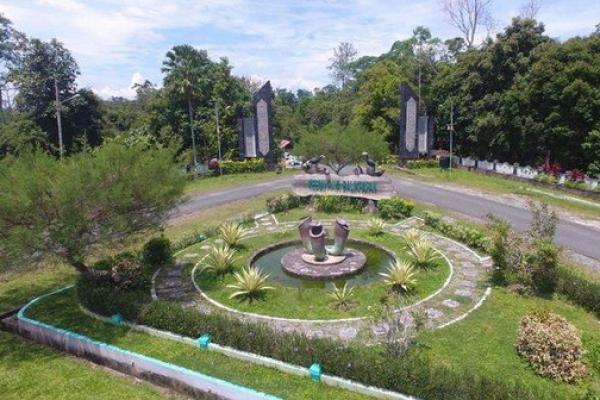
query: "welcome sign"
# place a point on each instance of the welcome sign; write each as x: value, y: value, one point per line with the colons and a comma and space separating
x: 363, y: 186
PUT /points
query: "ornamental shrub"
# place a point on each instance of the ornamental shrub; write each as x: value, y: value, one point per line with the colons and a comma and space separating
x: 106, y: 299
x: 423, y: 163
x: 285, y: 202
x: 546, y: 178
x: 552, y: 346
x: 128, y: 272
x: 578, y: 289
x: 395, y: 208
x: 543, y: 263
x: 245, y: 166
x: 467, y: 235
x: 335, y: 204
x: 157, y: 252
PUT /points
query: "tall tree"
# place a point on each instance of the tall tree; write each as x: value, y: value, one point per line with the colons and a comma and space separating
x: 341, y: 63
x: 38, y: 68
x: 186, y: 70
x: 468, y: 16
x: 67, y: 209
x: 530, y: 9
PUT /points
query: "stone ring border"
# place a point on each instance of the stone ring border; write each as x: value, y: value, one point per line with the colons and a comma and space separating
x: 315, y: 321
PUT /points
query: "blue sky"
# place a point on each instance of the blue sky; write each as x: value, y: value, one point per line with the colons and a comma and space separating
x: 120, y: 42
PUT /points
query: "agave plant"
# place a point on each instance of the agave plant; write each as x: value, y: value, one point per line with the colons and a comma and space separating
x: 422, y: 253
x: 231, y: 233
x: 220, y: 259
x: 342, y: 297
x: 375, y: 226
x: 411, y: 236
x: 400, y: 276
x: 250, y: 283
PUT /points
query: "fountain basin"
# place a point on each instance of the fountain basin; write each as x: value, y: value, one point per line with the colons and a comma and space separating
x: 303, y: 265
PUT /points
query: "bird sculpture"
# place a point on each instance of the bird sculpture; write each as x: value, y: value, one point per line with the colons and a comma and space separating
x: 372, y: 166
x: 311, y: 166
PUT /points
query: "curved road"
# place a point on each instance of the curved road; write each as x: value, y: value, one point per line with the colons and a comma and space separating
x: 578, y: 238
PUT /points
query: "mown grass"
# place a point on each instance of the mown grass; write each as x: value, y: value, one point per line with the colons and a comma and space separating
x: 312, y: 301
x: 485, y: 341
x: 31, y: 371
x: 461, y: 177
x: 62, y: 310
x: 213, y: 183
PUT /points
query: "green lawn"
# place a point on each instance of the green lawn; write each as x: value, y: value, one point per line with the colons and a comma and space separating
x: 214, y: 183
x: 485, y: 341
x: 312, y: 300
x: 62, y: 310
x: 31, y: 371
x: 461, y: 177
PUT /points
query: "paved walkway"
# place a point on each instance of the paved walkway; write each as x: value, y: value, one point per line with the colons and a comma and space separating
x: 463, y: 291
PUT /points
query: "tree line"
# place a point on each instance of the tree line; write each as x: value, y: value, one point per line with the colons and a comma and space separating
x: 520, y: 96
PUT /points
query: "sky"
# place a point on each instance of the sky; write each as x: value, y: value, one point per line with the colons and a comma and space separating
x: 121, y: 42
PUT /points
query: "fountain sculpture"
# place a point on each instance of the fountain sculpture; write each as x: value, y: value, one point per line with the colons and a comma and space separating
x: 317, y: 260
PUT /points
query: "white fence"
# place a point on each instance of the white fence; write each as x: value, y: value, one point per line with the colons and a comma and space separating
x: 526, y: 172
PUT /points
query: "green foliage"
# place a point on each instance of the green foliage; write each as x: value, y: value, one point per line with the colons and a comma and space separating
x: 251, y: 283
x: 342, y: 145
x: 342, y: 297
x: 543, y: 264
x: 232, y: 233
x: 245, y: 166
x: 96, y: 197
x: 400, y: 276
x: 422, y: 163
x: 470, y: 236
x: 219, y: 260
x: 395, y: 208
x: 189, y: 240
x: 591, y: 148
x: 285, y: 202
x: 20, y: 133
x: 579, y: 289
x: 157, y: 252
x: 411, y: 236
x: 552, y: 346
x: 127, y: 272
x: 421, y: 253
x: 375, y: 226
x: 545, y: 178
x: 106, y: 299
x: 336, y: 204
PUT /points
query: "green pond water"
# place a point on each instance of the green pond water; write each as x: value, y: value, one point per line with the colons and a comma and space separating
x: 378, y: 261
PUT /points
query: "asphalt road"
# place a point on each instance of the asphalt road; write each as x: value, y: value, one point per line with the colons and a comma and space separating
x: 575, y: 237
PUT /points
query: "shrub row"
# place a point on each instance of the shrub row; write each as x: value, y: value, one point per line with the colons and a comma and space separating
x: 579, y: 289
x: 285, y: 202
x: 395, y: 208
x: 424, y: 163
x: 240, y: 167
x: 469, y: 236
x: 412, y: 374
x: 335, y: 204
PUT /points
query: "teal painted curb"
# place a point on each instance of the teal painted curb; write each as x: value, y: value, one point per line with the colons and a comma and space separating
x: 204, y: 382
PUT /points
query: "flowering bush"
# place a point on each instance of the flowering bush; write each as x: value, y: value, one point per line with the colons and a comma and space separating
x: 552, y: 346
x: 552, y: 169
x: 576, y: 175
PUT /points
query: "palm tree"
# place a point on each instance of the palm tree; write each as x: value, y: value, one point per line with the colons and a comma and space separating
x: 186, y: 69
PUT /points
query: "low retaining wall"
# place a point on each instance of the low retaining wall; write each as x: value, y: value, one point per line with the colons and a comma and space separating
x: 131, y: 363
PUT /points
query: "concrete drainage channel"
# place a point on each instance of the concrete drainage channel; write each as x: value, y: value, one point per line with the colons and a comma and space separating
x: 162, y: 373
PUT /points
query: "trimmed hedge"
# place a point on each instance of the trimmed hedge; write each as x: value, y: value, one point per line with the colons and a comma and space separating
x: 418, y: 164
x: 335, y: 204
x: 579, y: 289
x: 395, y: 208
x: 469, y: 236
x: 108, y: 300
x: 240, y: 167
x: 285, y: 202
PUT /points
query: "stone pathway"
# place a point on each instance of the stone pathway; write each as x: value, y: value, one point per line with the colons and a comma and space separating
x: 462, y: 291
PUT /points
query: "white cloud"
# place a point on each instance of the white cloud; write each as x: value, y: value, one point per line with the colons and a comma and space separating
x: 287, y: 42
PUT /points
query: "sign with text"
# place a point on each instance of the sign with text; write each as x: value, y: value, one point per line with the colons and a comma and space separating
x: 363, y: 186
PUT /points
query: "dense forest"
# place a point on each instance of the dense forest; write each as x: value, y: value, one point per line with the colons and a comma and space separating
x: 521, y: 96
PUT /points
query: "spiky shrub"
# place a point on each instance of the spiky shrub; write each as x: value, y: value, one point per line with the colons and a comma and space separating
x: 232, y: 233
x: 411, y: 236
x: 342, y: 297
x: 375, y: 226
x: 400, y: 276
x: 250, y: 283
x: 421, y: 253
x: 552, y: 346
x: 219, y: 260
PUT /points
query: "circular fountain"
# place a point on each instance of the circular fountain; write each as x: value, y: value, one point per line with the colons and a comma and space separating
x: 316, y: 260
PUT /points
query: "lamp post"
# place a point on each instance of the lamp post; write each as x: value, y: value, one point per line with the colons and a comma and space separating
x: 219, y: 132
x: 58, y: 103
